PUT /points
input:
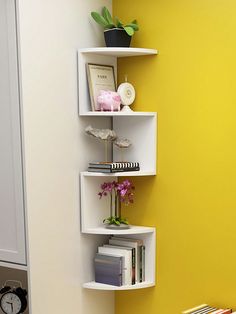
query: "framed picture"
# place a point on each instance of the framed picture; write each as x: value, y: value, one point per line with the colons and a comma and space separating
x: 100, y: 77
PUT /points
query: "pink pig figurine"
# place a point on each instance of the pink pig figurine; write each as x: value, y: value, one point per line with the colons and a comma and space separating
x: 109, y: 101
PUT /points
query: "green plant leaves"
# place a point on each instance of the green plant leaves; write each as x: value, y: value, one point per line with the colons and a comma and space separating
x: 124, y: 221
x: 113, y: 220
x: 109, y: 26
x: 106, y: 21
x: 107, y: 16
x: 119, y: 24
x: 129, y: 30
x: 134, y: 26
x: 99, y: 19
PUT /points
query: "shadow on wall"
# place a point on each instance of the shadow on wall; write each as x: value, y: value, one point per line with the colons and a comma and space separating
x: 13, y: 274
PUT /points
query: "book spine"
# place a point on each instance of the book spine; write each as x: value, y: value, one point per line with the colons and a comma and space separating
x: 142, y: 263
x: 133, y: 266
x: 126, y: 169
x: 205, y: 310
x: 107, y: 170
x: 141, y: 266
x: 114, y: 165
x: 200, y: 310
x: 209, y: 310
x: 189, y: 311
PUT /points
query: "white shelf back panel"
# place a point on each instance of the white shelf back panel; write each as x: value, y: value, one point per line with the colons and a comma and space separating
x: 83, y: 59
x: 142, y: 131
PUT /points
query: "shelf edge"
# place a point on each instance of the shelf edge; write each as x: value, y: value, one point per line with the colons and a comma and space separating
x: 117, y: 114
x: 119, y: 51
x: 132, y: 231
x: 97, y: 286
x: 119, y: 174
x: 13, y: 266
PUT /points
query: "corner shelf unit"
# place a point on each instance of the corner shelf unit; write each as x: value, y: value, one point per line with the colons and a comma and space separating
x: 141, y: 129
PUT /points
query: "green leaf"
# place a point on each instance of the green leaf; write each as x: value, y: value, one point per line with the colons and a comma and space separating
x: 134, y: 22
x: 119, y: 24
x: 107, y: 15
x: 99, y: 19
x: 129, y: 30
x: 124, y: 221
x: 134, y: 26
x: 109, y: 26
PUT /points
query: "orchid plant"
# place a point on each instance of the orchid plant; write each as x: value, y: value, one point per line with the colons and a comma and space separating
x: 120, y: 192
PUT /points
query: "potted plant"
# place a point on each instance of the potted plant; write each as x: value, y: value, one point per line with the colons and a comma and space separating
x: 115, y: 32
x: 118, y: 193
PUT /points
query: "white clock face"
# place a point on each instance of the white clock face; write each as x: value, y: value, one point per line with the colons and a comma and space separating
x: 127, y: 93
x: 10, y: 303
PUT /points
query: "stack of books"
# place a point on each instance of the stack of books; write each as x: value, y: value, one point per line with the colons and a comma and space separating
x: 120, y: 262
x: 112, y: 167
x: 206, y: 309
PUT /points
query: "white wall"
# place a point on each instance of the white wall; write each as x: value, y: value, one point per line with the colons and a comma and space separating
x: 55, y: 151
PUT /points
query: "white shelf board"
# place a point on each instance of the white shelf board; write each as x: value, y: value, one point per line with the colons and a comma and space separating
x: 119, y: 174
x: 132, y: 230
x: 119, y: 52
x: 118, y: 114
x: 100, y: 286
x: 13, y: 266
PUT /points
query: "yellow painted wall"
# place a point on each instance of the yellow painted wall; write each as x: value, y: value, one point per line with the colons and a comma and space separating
x: 192, y: 201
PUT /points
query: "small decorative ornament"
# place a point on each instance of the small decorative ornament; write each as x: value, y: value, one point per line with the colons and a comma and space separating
x: 102, y: 134
x: 109, y: 101
x: 106, y: 135
x: 127, y: 95
x: 13, y: 299
x: 122, y: 144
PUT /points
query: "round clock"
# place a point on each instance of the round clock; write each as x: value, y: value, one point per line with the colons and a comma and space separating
x: 13, y: 300
x: 127, y: 95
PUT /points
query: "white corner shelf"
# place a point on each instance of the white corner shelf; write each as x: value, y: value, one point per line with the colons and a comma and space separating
x: 100, y: 286
x: 141, y: 129
x: 131, y: 230
x: 119, y: 52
